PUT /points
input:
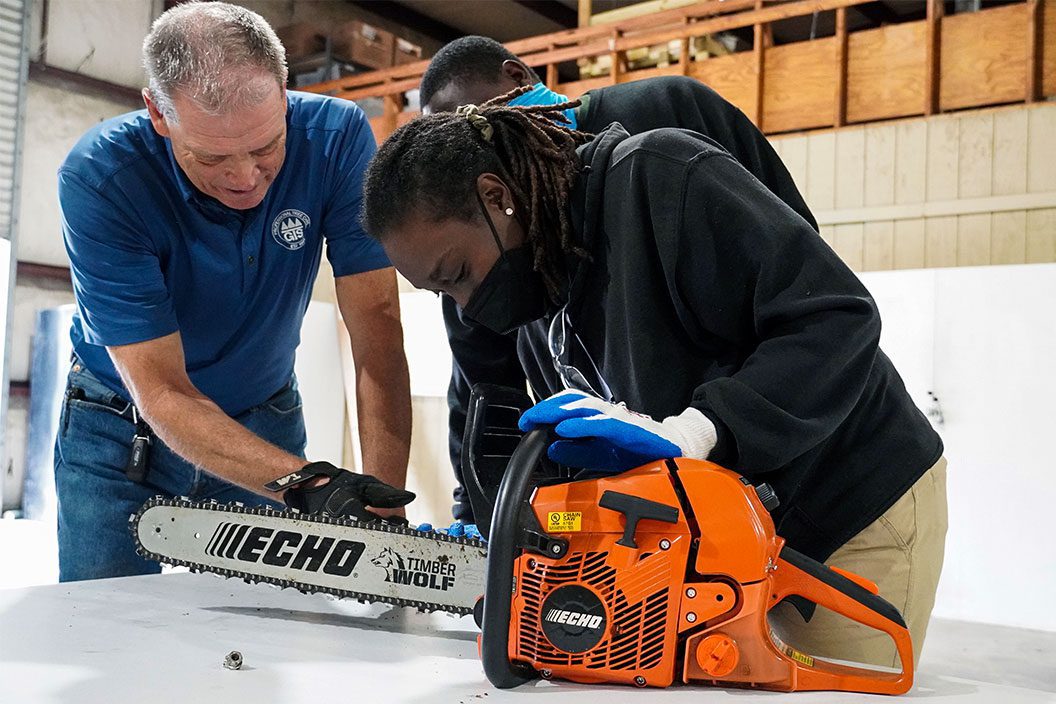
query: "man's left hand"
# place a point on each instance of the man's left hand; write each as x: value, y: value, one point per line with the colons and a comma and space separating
x: 341, y: 493
x: 610, y: 437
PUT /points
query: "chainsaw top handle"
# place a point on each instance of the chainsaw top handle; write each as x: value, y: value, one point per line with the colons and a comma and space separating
x: 503, y: 550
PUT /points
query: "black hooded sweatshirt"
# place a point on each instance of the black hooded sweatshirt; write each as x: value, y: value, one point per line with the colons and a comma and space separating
x: 481, y: 355
x: 704, y: 289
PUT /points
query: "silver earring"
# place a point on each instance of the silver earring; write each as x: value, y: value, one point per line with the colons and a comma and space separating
x: 509, y: 211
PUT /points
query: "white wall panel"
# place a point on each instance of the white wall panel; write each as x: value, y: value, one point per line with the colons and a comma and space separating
x: 995, y: 345
x: 100, y: 38
x: 983, y: 339
x: 55, y: 120
x: 318, y: 371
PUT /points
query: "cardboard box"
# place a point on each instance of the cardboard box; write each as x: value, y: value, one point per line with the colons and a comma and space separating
x: 363, y: 44
x: 301, y: 40
x: 405, y: 52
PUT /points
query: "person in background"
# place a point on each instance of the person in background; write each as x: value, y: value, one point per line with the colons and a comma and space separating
x: 472, y: 70
x: 665, y: 303
x: 194, y: 230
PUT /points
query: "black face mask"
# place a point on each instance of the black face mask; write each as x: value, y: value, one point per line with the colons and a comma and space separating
x: 512, y: 293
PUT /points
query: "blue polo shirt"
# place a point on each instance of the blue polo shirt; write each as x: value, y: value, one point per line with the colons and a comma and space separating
x: 150, y: 254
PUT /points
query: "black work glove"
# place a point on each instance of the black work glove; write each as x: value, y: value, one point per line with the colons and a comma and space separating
x: 345, y: 494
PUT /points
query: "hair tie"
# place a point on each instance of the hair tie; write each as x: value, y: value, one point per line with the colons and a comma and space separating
x: 472, y: 113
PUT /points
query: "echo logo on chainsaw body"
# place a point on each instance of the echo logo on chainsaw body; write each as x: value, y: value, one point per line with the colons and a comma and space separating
x: 573, y: 618
x: 285, y: 548
x: 415, y: 571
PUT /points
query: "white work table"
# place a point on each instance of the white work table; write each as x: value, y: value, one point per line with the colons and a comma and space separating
x: 160, y: 639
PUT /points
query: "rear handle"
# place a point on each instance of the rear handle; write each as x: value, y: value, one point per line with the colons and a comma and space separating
x: 799, y: 575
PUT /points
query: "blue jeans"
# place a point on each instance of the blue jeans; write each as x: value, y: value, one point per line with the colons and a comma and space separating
x: 95, y: 496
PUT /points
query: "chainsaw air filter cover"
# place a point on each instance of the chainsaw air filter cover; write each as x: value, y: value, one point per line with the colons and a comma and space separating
x: 574, y: 618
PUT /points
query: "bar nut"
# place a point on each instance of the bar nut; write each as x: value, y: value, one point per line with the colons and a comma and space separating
x: 233, y: 660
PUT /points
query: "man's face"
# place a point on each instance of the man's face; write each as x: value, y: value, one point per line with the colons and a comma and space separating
x: 451, y: 256
x: 233, y: 157
x: 452, y: 95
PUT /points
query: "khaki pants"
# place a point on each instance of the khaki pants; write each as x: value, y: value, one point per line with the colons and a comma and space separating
x: 902, y: 552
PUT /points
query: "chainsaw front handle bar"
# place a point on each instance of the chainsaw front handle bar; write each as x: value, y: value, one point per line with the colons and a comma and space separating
x: 503, y: 550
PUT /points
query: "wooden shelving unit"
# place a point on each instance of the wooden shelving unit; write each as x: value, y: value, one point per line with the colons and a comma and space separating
x: 998, y: 55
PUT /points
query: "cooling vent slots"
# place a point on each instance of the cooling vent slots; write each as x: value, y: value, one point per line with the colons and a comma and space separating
x: 636, y: 630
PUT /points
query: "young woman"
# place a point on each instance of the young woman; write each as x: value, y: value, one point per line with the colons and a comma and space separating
x: 652, y: 277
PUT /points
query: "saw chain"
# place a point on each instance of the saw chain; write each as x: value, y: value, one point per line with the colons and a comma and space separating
x: 390, y: 537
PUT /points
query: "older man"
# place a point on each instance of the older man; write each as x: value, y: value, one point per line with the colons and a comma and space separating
x: 194, y: 230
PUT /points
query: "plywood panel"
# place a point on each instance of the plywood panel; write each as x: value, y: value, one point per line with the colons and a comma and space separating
x: 973, y: 239
x: 975, y: 155
x: 885, y: 72
x: 732, y: 76
x: 794, y: 154
x: 575, y: 89
x: 821, y: 171
x: 1049, y: 51
x: 1041, y: 236
x: 879, y: 249
x: 1048, y: 56
x: 880, y: 165
x: 909, y: 244
x: 911, y: 144
x: 983, y: 59
x: 1041, y: 154
x: 800, y: 85
x: 940, y: 241
x: 1010, y: 152
x: 849, y: 241
x: 943, y: 148
x: 975, y: 162
x: 1008, y: 237
x: 850, y: 168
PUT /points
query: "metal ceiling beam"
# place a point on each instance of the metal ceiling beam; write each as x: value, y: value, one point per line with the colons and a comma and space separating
x: 411, y: 19
x: 70, y: 80
x: 552, y: 10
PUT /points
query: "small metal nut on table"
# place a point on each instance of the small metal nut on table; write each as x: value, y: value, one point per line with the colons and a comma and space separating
x: 233, y: 660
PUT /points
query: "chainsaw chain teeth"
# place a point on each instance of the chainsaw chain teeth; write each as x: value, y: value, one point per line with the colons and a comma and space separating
x: 303, y: 587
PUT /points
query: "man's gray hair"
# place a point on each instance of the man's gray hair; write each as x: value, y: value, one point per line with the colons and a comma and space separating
x: 209, y: 51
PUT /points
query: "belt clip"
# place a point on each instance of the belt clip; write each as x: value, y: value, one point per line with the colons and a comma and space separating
x: 139, y: 457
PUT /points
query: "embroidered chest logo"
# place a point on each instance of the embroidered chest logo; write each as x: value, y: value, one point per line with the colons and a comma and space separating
x: 289, y: 228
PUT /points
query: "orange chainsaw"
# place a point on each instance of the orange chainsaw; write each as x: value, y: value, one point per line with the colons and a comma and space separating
x: 660, y: 574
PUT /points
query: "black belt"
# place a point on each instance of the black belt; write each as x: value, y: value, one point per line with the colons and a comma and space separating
x: 118, y: 405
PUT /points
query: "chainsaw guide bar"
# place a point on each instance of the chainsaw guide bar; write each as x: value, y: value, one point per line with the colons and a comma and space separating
x: 374, y: 562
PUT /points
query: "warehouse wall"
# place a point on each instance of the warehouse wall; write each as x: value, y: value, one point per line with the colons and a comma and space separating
x: 962, y: 189
x: 99, y: 38
x: 56, y: 116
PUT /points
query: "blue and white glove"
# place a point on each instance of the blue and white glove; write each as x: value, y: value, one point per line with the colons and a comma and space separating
x: 609, y: 437
x: 457, y: 529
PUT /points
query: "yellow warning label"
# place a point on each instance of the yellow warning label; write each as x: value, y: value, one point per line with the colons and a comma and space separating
x: 564, y: 522
x: 799, y: 657
x: 790, y: 651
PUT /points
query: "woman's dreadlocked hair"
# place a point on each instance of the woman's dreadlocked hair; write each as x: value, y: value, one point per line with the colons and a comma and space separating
x: 430, y: 167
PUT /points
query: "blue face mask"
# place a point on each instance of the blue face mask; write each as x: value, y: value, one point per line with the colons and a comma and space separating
x: 541, y: 95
